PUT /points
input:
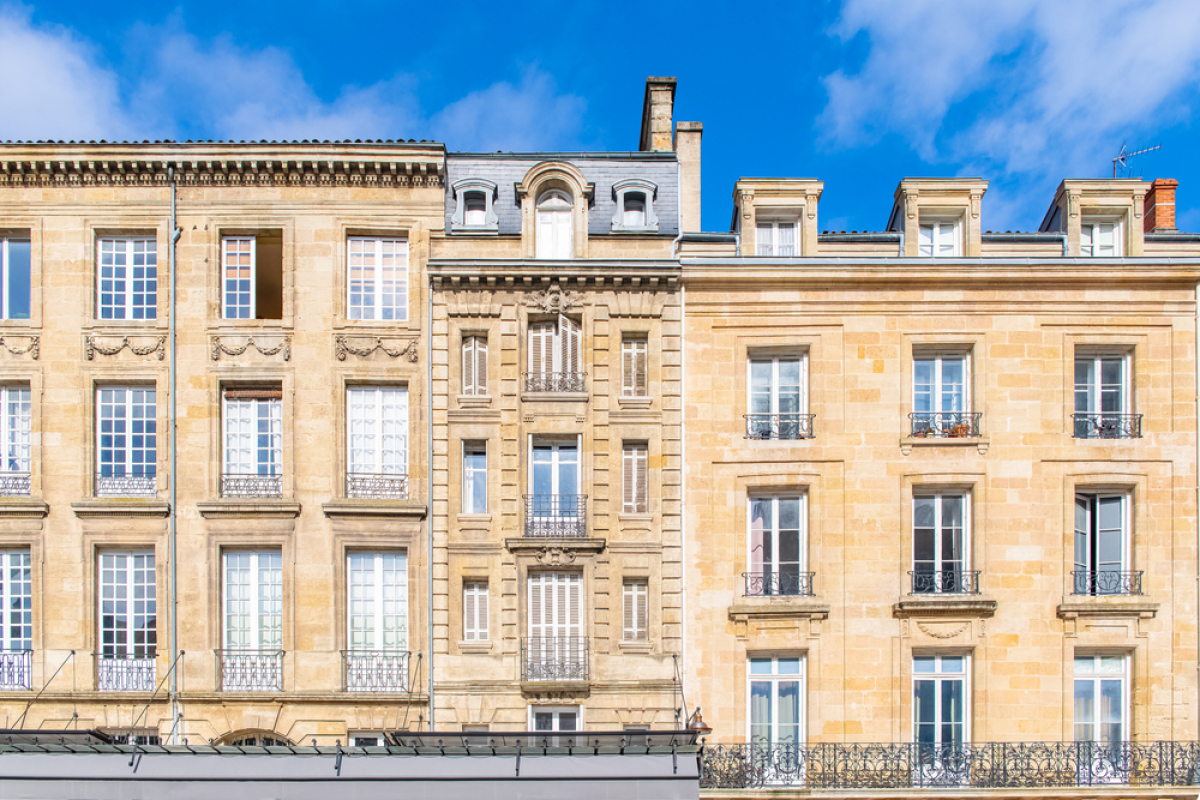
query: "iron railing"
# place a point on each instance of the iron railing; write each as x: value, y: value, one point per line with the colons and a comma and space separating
x: 554, y: 658
x: 16, y: 669
x: 945, y: 424
x: 945, y: 581
x: 554, y: 381
x: 995, y: 765
x: 1107, y: 426
x: 126, y: 485
x: 779, y: 426
x: 781, y: 584
x: 251, y: 670
x: 556, y: 515
x: 126, y: 673
x: 376, y: 486
x: 1106, y: 582
x: 375, y: 671
x: 248, y: 485
x: 15, y: 484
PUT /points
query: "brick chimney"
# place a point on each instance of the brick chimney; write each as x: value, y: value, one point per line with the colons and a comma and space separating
x: 657, y: 109
x: 1159, y: 213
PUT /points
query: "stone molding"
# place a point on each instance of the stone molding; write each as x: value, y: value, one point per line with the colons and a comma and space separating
x: 749, y: 608
x: 553, y: 691
x: 405, y: 346
x: 283, y: 348
x: 375, y: 508
x: 946, y: 605
x: 554, y: 552
x: 259, y: 507
x: 553, y: 300
x: 92, y: 346
x: 1108, y: 607
x: 110, y: 508
x: 981, y: 443
x: 16, y: 507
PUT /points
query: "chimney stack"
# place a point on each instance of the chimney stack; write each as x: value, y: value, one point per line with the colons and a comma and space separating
x: 1159, y: 213
x: 657, y: 111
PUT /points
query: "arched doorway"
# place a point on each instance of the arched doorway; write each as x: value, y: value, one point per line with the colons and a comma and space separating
x: 254, y: 738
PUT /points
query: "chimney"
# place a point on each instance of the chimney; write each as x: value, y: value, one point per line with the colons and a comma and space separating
x: 656, y: 115
x: 1160, y: 206
x: 687, y: 146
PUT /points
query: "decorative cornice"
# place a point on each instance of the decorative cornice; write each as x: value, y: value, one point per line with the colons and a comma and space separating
x: 32, y: 349
x: 507, y: 274
x: 405, y: 346
x: 219, y: 347
x: 549, y: 551
x: 779, y: 608
x: 947, y: 605
x: 126, y: 509
x: 1110, y: 607
x: 23, y: 507
x: 92, y: 346
x: 248, y: 508
x: 375, y: 508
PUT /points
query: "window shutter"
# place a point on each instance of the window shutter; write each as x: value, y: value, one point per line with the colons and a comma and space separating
x: 537, y: 624
x: 480, y: 365
x: 634, y: 479
x: 627, y: 490
x: 574, y: 621
x: 481, y: 611
x: 641, y: 366
x: 628, y: 358
x: 540, y: 337
x: 1083, y: 528
x: 643, y: 610
x: 468, y: 365
x: 639, y: 487
x: 469, y: 629
x: 571, y: 334
x: 630, y: 610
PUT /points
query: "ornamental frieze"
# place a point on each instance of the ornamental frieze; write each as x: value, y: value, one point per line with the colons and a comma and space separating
x: 98, y: 344
x: 273, y: 345
x: 366, y: 346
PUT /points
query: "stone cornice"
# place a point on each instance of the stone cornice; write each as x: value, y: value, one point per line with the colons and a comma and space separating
x: 257, y: 507
x: 121, y: 508
x: 1107, y: 606
x: 945, y: 606
x: 375, y: 508
x: 531, y: 274
x: 779, y: 608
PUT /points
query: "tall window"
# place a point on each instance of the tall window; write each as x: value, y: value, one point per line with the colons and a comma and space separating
x: 1101, y: 698
x: 633, y: 368
x: 775, y: 238
x: 474, y: 496
x: 128, y: 618
x: 939, y: 700
x: 1102, y: 397
x: 253, y: 419
x: 636, y: 617
x: 555, y: 507
x: 377, y: 437
x: 1100, y: 239
x: 1102, y: 546
x: 777, y: 548
x: 15, y: 278
x: 940, y: 395
x: 474, y: 365
x: 555, y: 350
x: 938, y: 238
x: 635, y: 489
x: 126, y: 441
x: 16, y: 620
x: 940, y: 545
x: 776, y: 691
x: 475, y: 611
x: 127, y: 280
x: 556, y: 648
x: 14, y: 434
x: 378, y: 278
x: 778, y: 398
x: 555, y: 237
x: 253, y: 618
x: 252, y: 276
x: 378, y: 606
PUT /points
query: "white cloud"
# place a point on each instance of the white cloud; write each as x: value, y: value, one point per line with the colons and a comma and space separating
x: 528, y: 116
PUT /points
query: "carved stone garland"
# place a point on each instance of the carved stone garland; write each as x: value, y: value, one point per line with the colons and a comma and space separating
x: 343, y: 348
x: 92, y: 347
x: 34, y: 348
x: 220, y: 347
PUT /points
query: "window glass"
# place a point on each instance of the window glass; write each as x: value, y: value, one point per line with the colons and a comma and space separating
x: 14, y: 278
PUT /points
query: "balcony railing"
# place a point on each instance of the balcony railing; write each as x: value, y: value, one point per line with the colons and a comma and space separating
x: 126, y: 673
x: 251, y: 670
x: 1107, y: 426
x: 554, y: 381
x: 16, y: 669
x: 778, y: 584
x: 376, y: 486
x: 248, y: 485
x: 375, y: 671
x: 1106, y: 582
x: 945, y: 424
x: 554, y: 658
x: 556, y: 515
x: 993, y: 765
x: 14, y: 484
x: 945, y: 581
x: 779, y: 426
x: 126, y: 485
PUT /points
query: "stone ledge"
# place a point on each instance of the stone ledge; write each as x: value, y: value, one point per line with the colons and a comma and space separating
x: 779, y: 607
x: 121, y: 507
x: 23, y: 507
x: 324, y: 698
x: 635, y: 403
x: 473, y: 414
x: 526, y: 544
x: 556, y: 690
x: 1123, y: 606
x: 375, y: 508
x: 258, y: 507
x: 554, y: 397
x: 475, y: 648
x: 955, y: 605
x: 907, y: 443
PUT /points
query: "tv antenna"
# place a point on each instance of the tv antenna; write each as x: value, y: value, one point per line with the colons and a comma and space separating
x: 1121, y: 162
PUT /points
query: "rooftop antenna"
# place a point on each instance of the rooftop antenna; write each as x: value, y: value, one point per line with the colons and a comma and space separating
x: 1121, y: 162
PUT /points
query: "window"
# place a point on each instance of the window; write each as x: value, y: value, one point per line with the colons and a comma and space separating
x: 1102, y: 397
x: 941, y: 399
x: 556, y: 649
x: 475, y: 209
x: 636, y: 612
x: 1101, y: 698
x: 475, y: 611
x: 939, y: 703
x: 775, y: 689
x: 473, y: 205
x: 15, y: 431
x: 554, y: 356
x: 126, y: 442
x: 252, y: 621
x: 777, y: 547
x: 15, y: 278
x: 474, y: 496
x: 940, y: 545
x: 474, y: 366
x: 252, y: 276
x: 1099, y: 239
x: 555, y: 237
x: 378, y: 276
x: 373, y: 739
x: 775, y: 237
x: 1102, y: 546
x: 253, y: 419
x: 16, y: 620
x: 938, y: 239
x: 138, y: 736
x: 634, y: 206
x: 634, y: 211
x: 778, y: 398
x: 127, y: 282
x: 633, y: 368
x: 555, y: 720
x: 128, y: 619
x: 377, y: 442
x: 555, y: 507
x: 634, y: 491
x: 378, y: 603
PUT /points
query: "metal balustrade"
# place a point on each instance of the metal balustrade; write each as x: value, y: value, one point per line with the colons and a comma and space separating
x: 249, y: 485
x: 375, y: 671
x: 15, y: 484
x: 376, y: 486
x: 945, y: 581
x: 1099, y: 582
x: 126, y: 485
x: 554, y: 658
x: 554, y: 381
x: 126, y: 673
x: 1107, y: 426
x: 251, y: 670
x: 945, y: 424
x: 556, y: 515
x: 779, y: 426
x: 16, y: 669
x: 778, y: 584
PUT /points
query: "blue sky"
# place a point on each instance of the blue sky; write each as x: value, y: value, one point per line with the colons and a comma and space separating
x: 858, y: 93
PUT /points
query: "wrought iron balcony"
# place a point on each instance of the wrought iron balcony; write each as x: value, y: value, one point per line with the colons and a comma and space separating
x: 554, y: 381
x: 16, y: 669
x: 778, y: 584
x: 554, y: 658
x: 1106, y: 582
x: 993, y: 765
x: 1107, y: 426
x: 14, y: 484
x: 376, y: 486
x: 248, y: 485
x: 126, y: 485
x: 251, y: 670
x: 375, y: 671
x: 945, y: 581
x: 779, y: 426
x: 556, y: 515
x: 126, y: 673
x: 945, y: 424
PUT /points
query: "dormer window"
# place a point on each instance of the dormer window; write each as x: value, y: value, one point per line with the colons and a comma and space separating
x: 554, y: 234
x: 635, y: 210
x: 635, y: 206
x: 939, y: 238
x: 775, y: 237
x: 1100, y: 238
x: 473, y: 209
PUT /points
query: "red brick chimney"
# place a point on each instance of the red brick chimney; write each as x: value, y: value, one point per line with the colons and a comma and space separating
x: 1160, y: 206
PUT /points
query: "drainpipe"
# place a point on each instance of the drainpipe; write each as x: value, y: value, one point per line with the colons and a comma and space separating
x: 171, y: 516
x: 683, y: 527
x: 429, y: 473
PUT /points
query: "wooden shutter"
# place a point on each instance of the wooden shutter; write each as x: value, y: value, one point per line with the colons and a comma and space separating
x: 636, y: 617
x: 469, y: 624
x: 537, y: 620
x: 629, y: 610
x: 574, y: 617
x: 481, y: 611
x: 570, y: 335
x: 640, y: 366
x: 475, y: 611
x: 468, y: 365
x: 634, y: 479
x: 480, y: 365
x: 541, y: 347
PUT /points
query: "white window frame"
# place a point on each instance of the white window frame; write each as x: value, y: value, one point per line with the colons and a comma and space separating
x: 475, y: 610
x: 1088, y: 228
x: 123, y: 405
x: 108, y: 248
x: 1094, y: 501
x: 6, y: 277
x: 248, y: 411
x: 374, y: 250
x: 140, y: 598
x: 564, y: 359
x: 554, y: 226
x: 238, y: 309
x: 475, y: 217
x: 16, y: 604
x: 938, y: 676
x: 937, y: 390
x: 474, y: 364
x: 939, y: 227
x: 635, y: 461
x: 369, y: 594
x: 774, y: 678
x: 263, y: 631
x: 774, y: 566
x: 635, y: 610
x: 15, y: 428
x: 380, y: 445
x: 556, y: 713
x: 772, y: 228
x: 773, y: 393
x: 1095, y: 386
x: 474, y: 476
x: 1099, y: 668
x: 635, y: 357
x: 940, y: 532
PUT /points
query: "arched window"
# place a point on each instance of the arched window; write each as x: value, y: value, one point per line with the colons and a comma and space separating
x: 554, y: 230
x: 252, y: 738
x: 475, y: 212
x: 635, y: 210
